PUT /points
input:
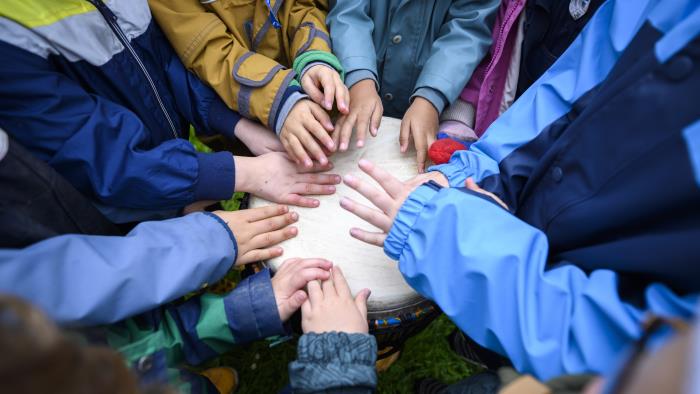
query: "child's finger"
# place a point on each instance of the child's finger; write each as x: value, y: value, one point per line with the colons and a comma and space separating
x: 259, y: 255
x: 328, y: 287
x: 320, y: 179
x: 346, y: 131
x: 380, y: 198
x: 312, y: 146
x: 316, y: 262
x: 376, y: 119
x: 273, y: 223
x: 255, y: 214
x: 362, y: 127
x: 403, y: 136
x: 299, y: 151
x: 387, y: 181
x: 342, y: 96
x: 421, y: 150
x: 316, y: 296
x: 361, y: 301
x: 314, y: 127
x: 328, y: 92
x: 341, y: 285
x: 322, y: 118
x: 296, y: 301
x: 372, y: 238
x: 301, y: 201
x: 312, y: 90
x: 310, y: 275
x: 311, y: 189
x: 372, y: 216
x: 271, y: 238
x: 336, y: 131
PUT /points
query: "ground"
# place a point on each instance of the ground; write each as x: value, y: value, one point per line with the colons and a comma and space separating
x: 262, y: 367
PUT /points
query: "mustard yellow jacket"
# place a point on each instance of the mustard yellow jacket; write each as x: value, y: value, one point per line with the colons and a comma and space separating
x: 245, y: 49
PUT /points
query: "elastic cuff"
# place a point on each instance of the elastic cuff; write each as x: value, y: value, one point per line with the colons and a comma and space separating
x: 230, y: 235
x: 435, y: 97
x: 356, y: 76
x: 286, y: 108
x: 453, y: 170
x: 459, y: 111
x: 457, y: 130
x: 222, y: 120
x: 216, y: 176
x: 405, y: 218
x: 334, y: 360
x: 251, y: 309
x: 318, y: 56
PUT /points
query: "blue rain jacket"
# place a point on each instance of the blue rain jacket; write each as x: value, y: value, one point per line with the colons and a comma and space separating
x: 599, y: 162
x: 101, y: 96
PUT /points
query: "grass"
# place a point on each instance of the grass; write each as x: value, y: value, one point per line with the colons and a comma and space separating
x: 262, y: 366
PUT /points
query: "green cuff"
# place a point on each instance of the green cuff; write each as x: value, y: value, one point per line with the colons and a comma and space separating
x: 318, y: 56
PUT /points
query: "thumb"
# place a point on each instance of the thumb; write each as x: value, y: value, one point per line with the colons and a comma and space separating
x: 361, y: 301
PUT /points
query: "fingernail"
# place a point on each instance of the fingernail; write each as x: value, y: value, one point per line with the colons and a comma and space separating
x: 337, y: 179
x: 293, y: 230
x: 364, y: 162
x: 353, y: 232
x: 295, y: 216
x: 327, y: 104
x: 308, y: 163
x: 374, y: 131
x: 360, y: 143
x: 330, y: 145
x: 316, y: 203
x: 344, y: 202
x: 344, y: 146
x: 323, y: 161
x: 330, y: 189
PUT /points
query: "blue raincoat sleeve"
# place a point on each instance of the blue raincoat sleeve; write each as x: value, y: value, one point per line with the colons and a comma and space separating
x: 101, y: 147
x: 87, y: 280
x: 582, y: 67
x: 488, y: 274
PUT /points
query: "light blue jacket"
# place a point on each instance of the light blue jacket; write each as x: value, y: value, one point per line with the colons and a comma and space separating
x: 514, y: 281
x: 411, y: 48
x: 88, y: 280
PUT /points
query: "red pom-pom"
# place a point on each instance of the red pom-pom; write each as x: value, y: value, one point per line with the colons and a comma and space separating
x: 441, y: 150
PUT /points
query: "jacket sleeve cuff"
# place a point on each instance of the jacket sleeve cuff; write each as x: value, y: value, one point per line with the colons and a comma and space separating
x: 334, y: 360
x: 405, y: 219
x: 454, y: 170
x: 435, y: 97
x: 356, y: 76
x: 222, y: 120
x: 309, y: 65
x: 216, y: 176
x: 291, y: 97
x: 251, y: 309
x: 230, y: 235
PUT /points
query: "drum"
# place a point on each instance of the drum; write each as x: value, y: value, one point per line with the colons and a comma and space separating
x: 395, y: 310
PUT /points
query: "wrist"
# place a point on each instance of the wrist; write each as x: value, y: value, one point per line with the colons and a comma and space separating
x: 244, y: 177
x: 365, y: 84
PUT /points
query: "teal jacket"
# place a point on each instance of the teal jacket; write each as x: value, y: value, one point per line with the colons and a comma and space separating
x: 411, y: 48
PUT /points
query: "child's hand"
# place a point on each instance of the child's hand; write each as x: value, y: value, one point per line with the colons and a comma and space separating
x: 365, y: 115
x: 305, y: 121
x: 257, y: 137
x: 258, y: 230
x: 323, y: 84
x: 330, y: 307
x: 290, y: 280
x: 275, y: 178
x: 420, y: 121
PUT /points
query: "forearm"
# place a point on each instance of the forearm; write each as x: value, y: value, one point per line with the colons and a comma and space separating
x: 202, y: 327
x: 488, y: 273
x: 88, y: 280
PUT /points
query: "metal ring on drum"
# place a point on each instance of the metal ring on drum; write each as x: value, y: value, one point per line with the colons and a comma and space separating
x: 393, y: 306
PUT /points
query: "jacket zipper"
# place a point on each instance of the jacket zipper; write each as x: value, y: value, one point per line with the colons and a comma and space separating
x: 111, y: 19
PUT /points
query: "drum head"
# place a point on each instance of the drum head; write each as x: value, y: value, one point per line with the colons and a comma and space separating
x: 324, y: 231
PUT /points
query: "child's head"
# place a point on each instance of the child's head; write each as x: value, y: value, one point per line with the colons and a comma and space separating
x: 36, y: 357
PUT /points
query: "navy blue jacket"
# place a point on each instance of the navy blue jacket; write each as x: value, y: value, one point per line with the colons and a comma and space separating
x: 101, y: 96
x: 599, y: 162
